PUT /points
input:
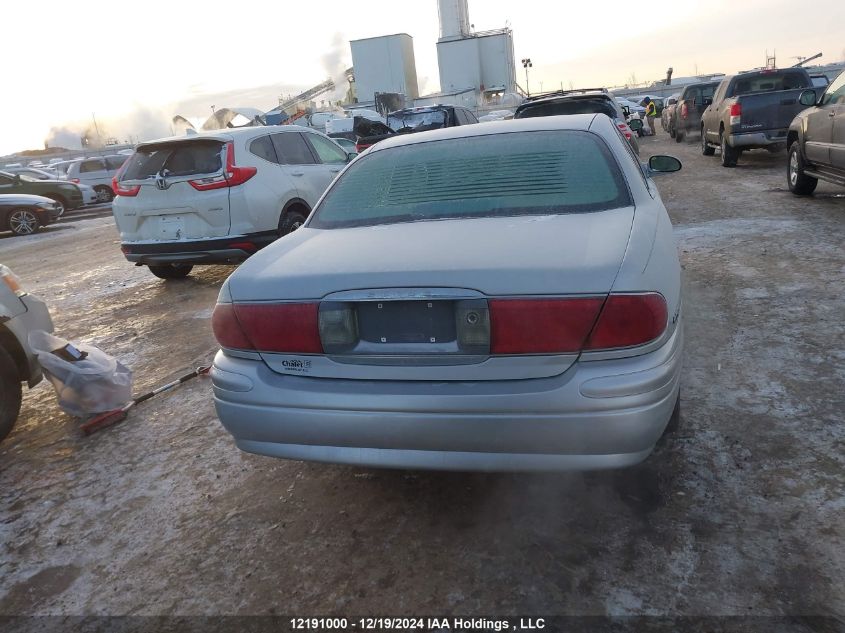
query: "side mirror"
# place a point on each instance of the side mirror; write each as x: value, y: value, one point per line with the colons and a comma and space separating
x: 350, y: 156
x: 808, y: 98
x: 708, y: 101
x: 626, y: 111
x: 664, y: 164
x: 635, y: 124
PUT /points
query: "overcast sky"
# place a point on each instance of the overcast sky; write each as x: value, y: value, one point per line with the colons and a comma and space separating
x: 146, y: 60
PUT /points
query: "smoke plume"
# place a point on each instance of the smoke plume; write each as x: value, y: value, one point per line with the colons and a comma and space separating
x: 335, y: 63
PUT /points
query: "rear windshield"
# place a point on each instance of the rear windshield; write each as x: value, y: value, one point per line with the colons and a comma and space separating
x: 175, y: 159
x: 520, y: 173
x: 417, y: 121
x: 569, y: 106
x: 769, y: 82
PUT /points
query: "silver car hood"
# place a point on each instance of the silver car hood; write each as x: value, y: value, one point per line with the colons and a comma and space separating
x: 529, y: 255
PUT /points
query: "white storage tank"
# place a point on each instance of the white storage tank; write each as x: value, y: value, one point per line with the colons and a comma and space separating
x: 384, y: 64
x: 454, y: 18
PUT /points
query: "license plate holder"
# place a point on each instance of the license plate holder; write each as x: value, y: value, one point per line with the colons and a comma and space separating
x: 403, y: 322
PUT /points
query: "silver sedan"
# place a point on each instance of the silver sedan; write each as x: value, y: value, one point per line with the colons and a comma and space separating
x: 496, y: 297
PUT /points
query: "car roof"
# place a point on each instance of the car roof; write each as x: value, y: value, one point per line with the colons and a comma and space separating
x: 231, y: 134
x: 578, y: 122
x: 567, y: 97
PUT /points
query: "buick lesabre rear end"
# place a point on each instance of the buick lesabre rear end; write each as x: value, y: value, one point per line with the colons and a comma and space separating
x: 501, y: 297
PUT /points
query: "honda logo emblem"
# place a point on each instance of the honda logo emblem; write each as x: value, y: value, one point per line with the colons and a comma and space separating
x: 161, y: 182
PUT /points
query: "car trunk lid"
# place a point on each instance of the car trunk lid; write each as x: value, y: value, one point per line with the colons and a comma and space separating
x: 418, y: 295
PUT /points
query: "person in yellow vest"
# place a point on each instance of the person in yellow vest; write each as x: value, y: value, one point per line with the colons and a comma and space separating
x: 650, y: 113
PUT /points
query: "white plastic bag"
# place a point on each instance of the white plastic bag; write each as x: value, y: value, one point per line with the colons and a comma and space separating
x: 94, y: 384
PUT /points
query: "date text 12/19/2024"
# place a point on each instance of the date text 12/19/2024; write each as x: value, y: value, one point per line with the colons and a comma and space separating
x: 416, y: 624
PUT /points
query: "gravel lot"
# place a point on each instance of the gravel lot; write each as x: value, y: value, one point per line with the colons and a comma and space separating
x: 741, y: 513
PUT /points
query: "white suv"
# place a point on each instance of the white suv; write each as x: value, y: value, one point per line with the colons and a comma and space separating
x: 97, y: 173
x: 218, y: 197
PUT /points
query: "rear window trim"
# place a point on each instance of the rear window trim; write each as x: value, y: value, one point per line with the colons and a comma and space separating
x: 605, y: 147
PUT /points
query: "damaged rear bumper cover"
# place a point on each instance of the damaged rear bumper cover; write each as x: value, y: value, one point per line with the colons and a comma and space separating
x: 224, y: 250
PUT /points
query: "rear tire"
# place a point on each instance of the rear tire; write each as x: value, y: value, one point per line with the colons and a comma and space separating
x: 171, y: 271
x: 799, y: 183
x: 10, y: 393
x: 730, y: 156
x: 104, y: 193
x: 705, y: 147
x: 291, y: 221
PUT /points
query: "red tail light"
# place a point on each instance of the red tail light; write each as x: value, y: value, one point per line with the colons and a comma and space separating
x: 541, y: 326
x: 684, y: 110
x: 559, y: 326
x: 122, y: 190
x: 736, y: 113
x: 359, y: 147
x: 623, y: 127
x: 231, y: 177
x: 281, y: 327
x: 75, y: 181
x: 629, y: 320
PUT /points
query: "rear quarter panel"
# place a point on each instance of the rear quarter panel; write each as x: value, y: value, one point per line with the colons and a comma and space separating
x: 257, y: 204
x: 651, y: 259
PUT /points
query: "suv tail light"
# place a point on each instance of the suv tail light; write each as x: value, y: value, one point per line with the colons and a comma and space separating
x: 232, y: 176
x: 279, y: 327
x: 122, y: 190
x: 623, y: 127
x: 684, y: 110
x: 75, y: 181
x: 736, y: 113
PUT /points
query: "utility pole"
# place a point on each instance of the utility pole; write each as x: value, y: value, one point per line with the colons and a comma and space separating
x: 526, y: 64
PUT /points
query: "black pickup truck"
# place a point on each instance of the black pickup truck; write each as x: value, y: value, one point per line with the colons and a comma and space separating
x: 752, y: 110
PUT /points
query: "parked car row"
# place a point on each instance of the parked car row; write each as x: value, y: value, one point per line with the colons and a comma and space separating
x: 67, y: 195
x: 772, y: 109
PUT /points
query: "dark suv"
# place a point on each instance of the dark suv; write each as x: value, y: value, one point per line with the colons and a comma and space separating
x: 589, y: 101
x: 816, y: 140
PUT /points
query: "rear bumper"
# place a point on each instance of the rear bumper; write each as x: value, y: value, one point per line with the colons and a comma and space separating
x: 751, y: 140
x: 48, y: 217
x: 224, y: 250
x: 598, y: 414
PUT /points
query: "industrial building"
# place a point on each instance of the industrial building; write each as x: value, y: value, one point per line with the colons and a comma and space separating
x: 477, y: 69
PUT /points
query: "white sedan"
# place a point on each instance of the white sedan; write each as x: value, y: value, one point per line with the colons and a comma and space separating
x: 497, y: 297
